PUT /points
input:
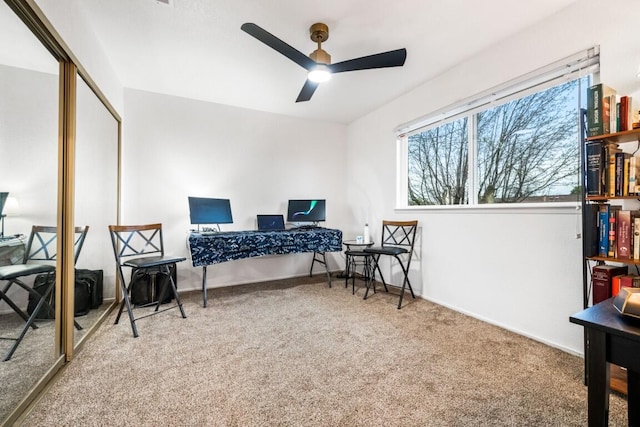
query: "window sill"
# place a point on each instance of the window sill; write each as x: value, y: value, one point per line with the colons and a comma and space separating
x: 499, y: 208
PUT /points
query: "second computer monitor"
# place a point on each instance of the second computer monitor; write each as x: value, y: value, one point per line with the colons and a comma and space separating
x: 306, y: 210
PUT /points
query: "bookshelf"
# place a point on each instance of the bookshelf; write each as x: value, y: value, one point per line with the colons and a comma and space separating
x: 628, y: 142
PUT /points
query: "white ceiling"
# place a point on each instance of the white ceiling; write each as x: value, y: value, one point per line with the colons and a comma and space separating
x: 195, y: 48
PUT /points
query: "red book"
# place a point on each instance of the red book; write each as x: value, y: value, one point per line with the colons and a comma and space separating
x: 601, y: 277
x: 626, y: 281
x: 624, y: 113
x: 623, y: 234
x: 616, y: 284
x: 613, y: 213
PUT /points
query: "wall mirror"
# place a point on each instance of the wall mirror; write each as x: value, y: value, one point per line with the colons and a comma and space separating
x: 96, y: 195
x: 33, y: 163
x: 29, y: 95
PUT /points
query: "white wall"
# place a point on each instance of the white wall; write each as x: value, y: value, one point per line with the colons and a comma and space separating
x: 28, y: 152
x: 518, y: 269
x: 69, y: 22
x: 175, y: 147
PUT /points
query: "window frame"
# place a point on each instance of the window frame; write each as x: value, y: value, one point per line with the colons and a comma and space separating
x: 573, y: 67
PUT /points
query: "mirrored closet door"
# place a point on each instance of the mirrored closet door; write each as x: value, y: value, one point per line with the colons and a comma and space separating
x: 96, y: 195
x: 29, y: 92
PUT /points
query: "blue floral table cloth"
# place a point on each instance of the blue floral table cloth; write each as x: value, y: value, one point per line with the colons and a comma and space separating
x: 214, y: 248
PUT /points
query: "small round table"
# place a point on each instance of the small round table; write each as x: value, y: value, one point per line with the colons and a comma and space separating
x: 354, y: 251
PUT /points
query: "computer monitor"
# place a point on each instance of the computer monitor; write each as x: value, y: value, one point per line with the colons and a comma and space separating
x: 204, y: 210
x: 306, y: 211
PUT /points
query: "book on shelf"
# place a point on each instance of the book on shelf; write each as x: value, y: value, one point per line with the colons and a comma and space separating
x: 610, y: 184
x: 613, y: 214
x: 623, y: 234
x: 603, y: 229
x: 635, y: 214
x: 625, y: 175
x: 598, y: 109
x: 613, y: 113
x: 620, y: 159
x: 591, y: 230
x: 626, y: 113
x: 634, y: 175
x: 622, y: 281
x: 596, y: 167
x: 636, y: 237
x: 601, y: 278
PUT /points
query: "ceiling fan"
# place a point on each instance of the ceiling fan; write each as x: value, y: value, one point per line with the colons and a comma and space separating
x: 318, y: 63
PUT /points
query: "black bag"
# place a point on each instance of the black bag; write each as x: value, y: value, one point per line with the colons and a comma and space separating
x: 140, y: 287
x: 82, y: 294
x: 95, y: 280
x: 146, y: 285
x: 162, y: 279
x: 39, y: 285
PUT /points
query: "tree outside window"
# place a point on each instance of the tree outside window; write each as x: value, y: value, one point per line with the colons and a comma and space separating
x: 527, y: 152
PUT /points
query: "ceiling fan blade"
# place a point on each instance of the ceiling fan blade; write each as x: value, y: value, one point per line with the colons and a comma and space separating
x: 393, y: 58
x: 307, y: 91
x: 275, y: 43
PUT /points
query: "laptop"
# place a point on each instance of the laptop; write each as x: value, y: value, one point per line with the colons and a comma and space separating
x: 270, y: 222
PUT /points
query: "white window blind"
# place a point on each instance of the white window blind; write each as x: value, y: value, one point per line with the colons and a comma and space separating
x: 569, y: 68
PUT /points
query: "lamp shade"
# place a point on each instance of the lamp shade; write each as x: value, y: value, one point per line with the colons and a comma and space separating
x: 11, y: 207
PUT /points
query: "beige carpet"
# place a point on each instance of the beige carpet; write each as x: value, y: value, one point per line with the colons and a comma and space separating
x: 308, y: 355
x: 34, y: 356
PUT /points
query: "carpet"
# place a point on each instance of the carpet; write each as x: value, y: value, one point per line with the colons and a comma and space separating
x: 308, y: 355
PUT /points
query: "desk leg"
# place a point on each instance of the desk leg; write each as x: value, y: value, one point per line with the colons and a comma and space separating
x: 633, y: 397
x: 320, y: 261
x: 598, y: 374
x: 204, y: 286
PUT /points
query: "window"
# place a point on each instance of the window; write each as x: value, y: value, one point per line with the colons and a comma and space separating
x: 519, y: 144
x: 438, y: 165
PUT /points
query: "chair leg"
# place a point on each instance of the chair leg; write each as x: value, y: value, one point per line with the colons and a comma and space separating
x: 18, y: 310
x: 405, y: 283
x: 372, y: 281
x: 30, y: 321
x: 353, y: 279
x: 376, y: 266
x: 173, y: 289
x: 346, y: 271
x: 126, y: 302
x: 353, y: 274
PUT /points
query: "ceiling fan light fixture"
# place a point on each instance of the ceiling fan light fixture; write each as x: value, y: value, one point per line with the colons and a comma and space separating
x: 319, y: 74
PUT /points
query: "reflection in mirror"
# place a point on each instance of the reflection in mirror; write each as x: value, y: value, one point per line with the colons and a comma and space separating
x: 29, y: 156
x: 95, y: 205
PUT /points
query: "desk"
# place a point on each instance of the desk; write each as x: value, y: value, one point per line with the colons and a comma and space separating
x: 611, y: 338
x: 214, y: 248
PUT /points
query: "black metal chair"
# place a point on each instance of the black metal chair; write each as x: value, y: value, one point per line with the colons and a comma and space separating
x: 398, y: 238
x: 39, y: 258
x: 141, y: 247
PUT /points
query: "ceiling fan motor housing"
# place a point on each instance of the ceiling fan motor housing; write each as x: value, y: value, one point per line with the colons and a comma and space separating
x: 319, y: 33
